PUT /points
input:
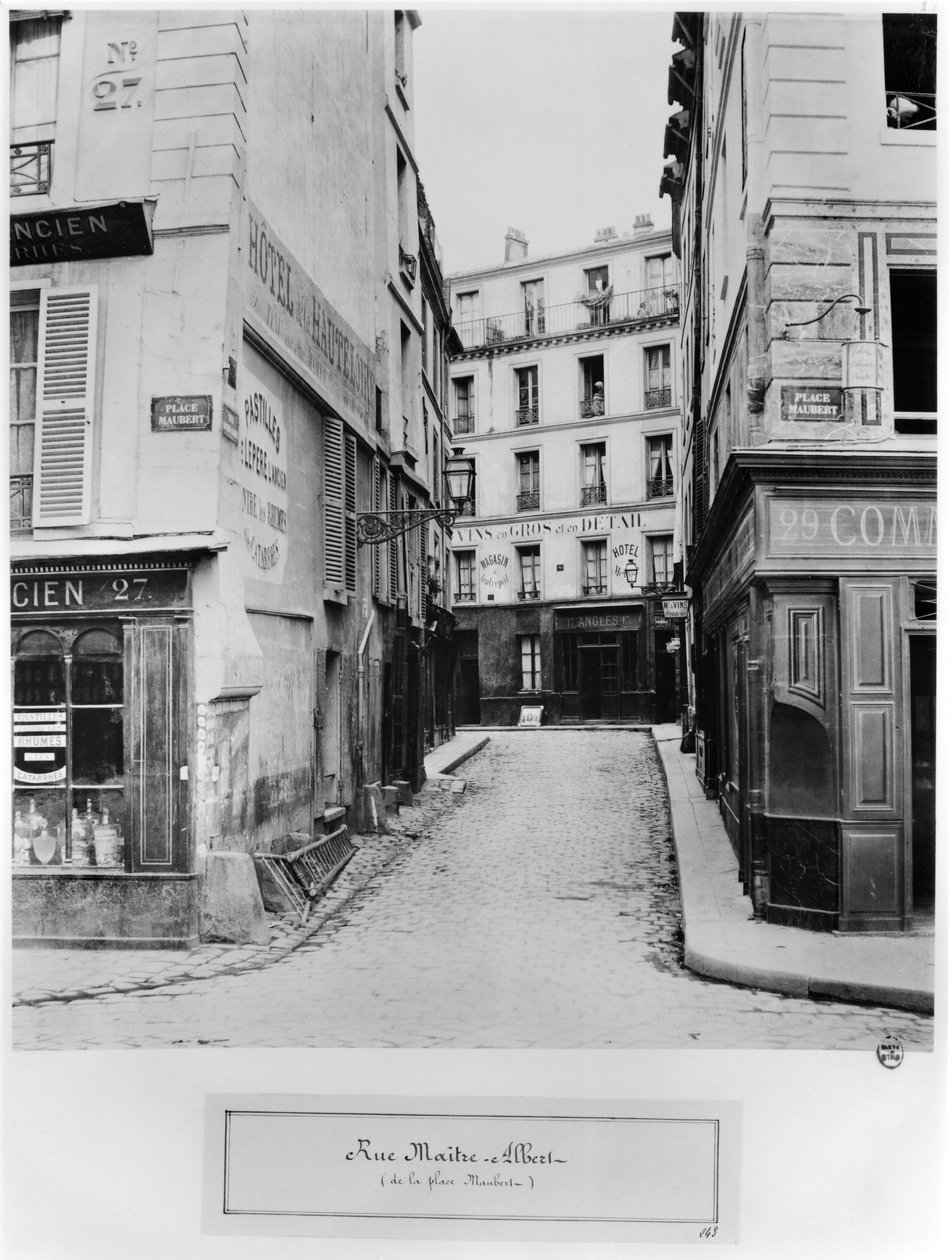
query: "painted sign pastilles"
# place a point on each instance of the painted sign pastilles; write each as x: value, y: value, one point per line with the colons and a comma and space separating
x: 262, y: 477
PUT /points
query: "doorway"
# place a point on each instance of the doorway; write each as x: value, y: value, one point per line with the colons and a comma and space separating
x: 922, y: 688
x: 598, y: 682
x: 468, y: 695
x: 330, y: 734
x: 666, y: 704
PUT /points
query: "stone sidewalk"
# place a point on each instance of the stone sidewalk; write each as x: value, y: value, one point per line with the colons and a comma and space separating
x: 44, y: 975
x: 723, y: 941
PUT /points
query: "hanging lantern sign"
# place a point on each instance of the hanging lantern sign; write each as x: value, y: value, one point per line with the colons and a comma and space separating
x: 861, y: 365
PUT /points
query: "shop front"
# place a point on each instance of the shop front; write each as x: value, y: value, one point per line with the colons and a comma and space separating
x: 819, y: 682
x: 101, y: 657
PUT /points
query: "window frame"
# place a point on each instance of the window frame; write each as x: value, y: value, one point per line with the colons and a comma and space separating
x: 657, y: 485
x: 593, y: 492
x: 527, y: 498
x: 532, y: 410
x: 665, y: 395
x: 467, y: 554
x: 597, y: 550
x: 531, y: 674
x: 532, y: 590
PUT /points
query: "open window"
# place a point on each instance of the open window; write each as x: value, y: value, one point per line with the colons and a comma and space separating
x: 909, y: 69
x: 913, y: 310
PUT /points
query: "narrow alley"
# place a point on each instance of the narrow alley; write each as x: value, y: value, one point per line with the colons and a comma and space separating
x: 538, y: 909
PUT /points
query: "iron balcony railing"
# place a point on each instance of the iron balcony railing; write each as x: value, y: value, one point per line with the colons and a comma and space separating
x: 595, y: 588
x: 31, y: 167
x: 592, y: 494
x: 464, y: 422
x: 660, y: 487
x: 465, y: 595
x: 594, y: 406
x: 527, y: 415
x: 658, y: 398
x: 640, y: 307
x: 910, y: 110
x: 21, y: 503
x: 528, y: 501
x: 529, y: 594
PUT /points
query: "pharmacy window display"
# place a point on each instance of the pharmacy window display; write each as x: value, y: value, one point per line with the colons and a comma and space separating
x: 69, y: 749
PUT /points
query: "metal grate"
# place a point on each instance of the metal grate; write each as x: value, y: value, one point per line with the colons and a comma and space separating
x: 303, y: 874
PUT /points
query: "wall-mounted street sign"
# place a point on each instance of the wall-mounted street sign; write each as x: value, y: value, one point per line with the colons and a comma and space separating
x: 676, y: 609
x: 107, y: 231
x: 672, y: 645
x: 188, y: 412
x: 811, y: 403
x: 230, y: 424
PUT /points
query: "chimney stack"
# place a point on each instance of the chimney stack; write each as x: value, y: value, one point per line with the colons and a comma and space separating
x: 603, y: 235
x: 642, y: 223
x: 515, y: 245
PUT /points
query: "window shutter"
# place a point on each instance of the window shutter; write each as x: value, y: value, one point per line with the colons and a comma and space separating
x: 376, y: 507
x: 333, y: 519
x: 65, y: 401
x: 393, y: 542
x: 350, y: 514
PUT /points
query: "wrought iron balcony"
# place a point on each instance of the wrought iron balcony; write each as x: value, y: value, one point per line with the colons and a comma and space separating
x: 408, y: 266
x: 31, y: 168
x: 528, y: 501
x: 464, y: 422
x: 528, y: 593
x: 595, y: 588
x: 658, y: 398
x: 593, y: 406
x: 21, y: 503
x: 592, y: 494
x: 642, y: 307
x: 527, y: 415
x: 660, y: 487
x: 910, y: 111
x: 465, y: 596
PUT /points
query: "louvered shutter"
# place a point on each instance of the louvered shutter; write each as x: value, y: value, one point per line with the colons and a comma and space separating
x: 333, y: 518
x: 376, y: 507
x: 393, y: 542
x: 65, y: 399
x: 350, y: 522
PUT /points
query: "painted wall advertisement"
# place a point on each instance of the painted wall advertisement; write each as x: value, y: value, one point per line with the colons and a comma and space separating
x: 262, y: 476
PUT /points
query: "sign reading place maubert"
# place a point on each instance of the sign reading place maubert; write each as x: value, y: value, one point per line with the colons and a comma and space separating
x: 177, y: 413
x: 813, y: 404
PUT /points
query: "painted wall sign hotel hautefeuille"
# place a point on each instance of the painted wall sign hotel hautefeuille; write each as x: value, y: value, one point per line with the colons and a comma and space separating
x: 110, y: 231
x: 293, y: 309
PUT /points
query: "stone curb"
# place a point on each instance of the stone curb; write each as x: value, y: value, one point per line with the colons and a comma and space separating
x: 701, y: 955
x: 453, y: 764
x: 223, y: 963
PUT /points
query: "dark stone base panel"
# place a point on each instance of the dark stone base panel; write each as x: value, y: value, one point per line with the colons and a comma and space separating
x: 119, y: 911
x: 804, y: 864
x: 796, y: 916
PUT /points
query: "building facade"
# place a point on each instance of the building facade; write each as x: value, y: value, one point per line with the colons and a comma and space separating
x: 217, y: 365
x: 565, y: 392
x: 802, y: 175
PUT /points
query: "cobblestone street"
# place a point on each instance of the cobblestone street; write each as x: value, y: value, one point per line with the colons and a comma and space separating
x: 538, y: 909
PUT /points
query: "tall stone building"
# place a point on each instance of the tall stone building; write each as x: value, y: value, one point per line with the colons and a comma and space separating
x: 802, y: 175
x: 217, y: 363
x: 566, y: 393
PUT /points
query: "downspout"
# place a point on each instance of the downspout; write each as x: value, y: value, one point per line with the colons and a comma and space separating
x: 361, y: 697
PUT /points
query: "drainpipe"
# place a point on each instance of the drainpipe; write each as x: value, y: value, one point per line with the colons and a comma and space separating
x: 361, y: 698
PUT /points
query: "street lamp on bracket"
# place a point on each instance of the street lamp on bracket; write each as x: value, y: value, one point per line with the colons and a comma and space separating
x: 376, y: 528
x: 631, y: 574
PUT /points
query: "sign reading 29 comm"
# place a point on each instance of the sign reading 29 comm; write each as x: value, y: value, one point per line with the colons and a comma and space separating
x: 853, y: 527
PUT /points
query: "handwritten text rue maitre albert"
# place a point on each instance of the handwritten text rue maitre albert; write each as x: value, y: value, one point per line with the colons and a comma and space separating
x: 515, y: 1159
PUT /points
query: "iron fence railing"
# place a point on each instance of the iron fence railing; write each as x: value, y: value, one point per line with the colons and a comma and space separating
x: 527, y: 415
x: 528, y: 594
x: 595, y: 588
x: 464, y: 422
x: 641, y: 306
x: 594, y: 406
x: 528, y: 501
x: 465, y: 595
x: 592, y: 494
x: 31, y: 167
x: 910, y: 110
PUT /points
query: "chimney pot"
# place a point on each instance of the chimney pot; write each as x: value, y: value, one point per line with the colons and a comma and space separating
x: 604, y: 234
x: 515, y: 245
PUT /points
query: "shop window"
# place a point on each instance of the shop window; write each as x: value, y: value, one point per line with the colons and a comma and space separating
x: 659, y: 453
x: 530, y: 662
x: 592, y: 400
x: 528, y: 481
x: 466, y: 587
x: 69, y: 759
x: 594, y: 568
x: 52, y: 383
x: 526, y: 385
x: 593, y: 472
x: 658, y: 392
x: 909, y: 70
x: 528, y: 568
x: 532, y: 296
x: 913, y: 308
x: 464, y: 420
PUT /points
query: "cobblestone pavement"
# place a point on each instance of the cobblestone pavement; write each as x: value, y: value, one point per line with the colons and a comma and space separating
x: 538, y: 909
